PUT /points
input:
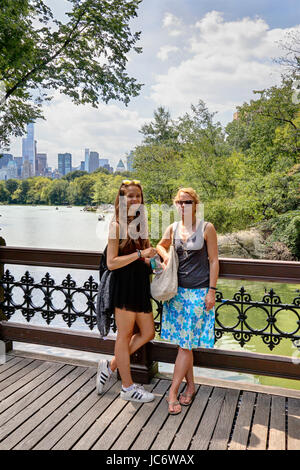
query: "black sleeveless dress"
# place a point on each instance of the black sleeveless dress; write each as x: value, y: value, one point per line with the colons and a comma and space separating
x: 132, y: 287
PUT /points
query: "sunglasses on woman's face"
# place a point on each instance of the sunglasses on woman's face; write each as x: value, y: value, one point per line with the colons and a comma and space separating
x: 184, y: 202
x: 127, y: 182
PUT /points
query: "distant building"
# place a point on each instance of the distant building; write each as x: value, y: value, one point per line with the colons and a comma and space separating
x: 6, y: 157
x: 108, y: 167
x: 29, y: 147
x: 103, y: 161
x: 129, y: 161
x: 93, y: 161
x: 19, y: 162
x: 64, y: 163
x: 26, y: 170
x: 120, y: 167
x: 12, y: 170
x: 86, y: 159
x: 3, y: 174
x: 82, y: 166
x: 41, y: 164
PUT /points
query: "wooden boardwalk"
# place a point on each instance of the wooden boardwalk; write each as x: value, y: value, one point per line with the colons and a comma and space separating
x: 52, y: 405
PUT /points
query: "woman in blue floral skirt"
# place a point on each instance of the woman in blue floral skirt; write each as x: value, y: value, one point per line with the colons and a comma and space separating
x: 188, y: 318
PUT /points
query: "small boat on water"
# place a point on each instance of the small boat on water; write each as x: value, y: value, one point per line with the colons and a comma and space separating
x: 101, y: 217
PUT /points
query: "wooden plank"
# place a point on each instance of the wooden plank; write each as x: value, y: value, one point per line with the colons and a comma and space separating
x: 75, y: 415
x: 135, y: 426
x: 184, y: 436
x: 230, y: 268
x: 293, y: 438
x: 170, y: 428
x: 260, y: 427
x: 30, y: 405
x: 241, y: 430
x: 9, y: 384
x: 4, y: 394
x: 99, y: 426
x: 78, y: 430
x: 155, y: 423
x: 65, y: 388
x: 209, y: 419
x: 225, y: 421
x: 25, y: 395
x: 8, y: 376
x: 83, y: 386
x: 128, y: 413
x: 277, y: 424
x: 8, y: 364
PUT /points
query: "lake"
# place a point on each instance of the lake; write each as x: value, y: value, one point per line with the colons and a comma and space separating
x: 75, y: 229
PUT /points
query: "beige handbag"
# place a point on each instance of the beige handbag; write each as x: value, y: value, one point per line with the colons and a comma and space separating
x: 164, y: 285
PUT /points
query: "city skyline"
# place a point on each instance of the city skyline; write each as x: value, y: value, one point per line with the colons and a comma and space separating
x: 213, y: 50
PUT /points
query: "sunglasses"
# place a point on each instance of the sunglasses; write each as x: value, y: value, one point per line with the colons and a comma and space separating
x: 184, y: 202
x: 127, y: 182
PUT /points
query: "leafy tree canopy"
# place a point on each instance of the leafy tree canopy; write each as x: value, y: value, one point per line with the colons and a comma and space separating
x: 84, y: 58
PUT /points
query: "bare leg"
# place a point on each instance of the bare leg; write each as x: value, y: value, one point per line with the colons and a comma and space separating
x: 125, y: 323
x: 146, y: 333
x: 183, y: 365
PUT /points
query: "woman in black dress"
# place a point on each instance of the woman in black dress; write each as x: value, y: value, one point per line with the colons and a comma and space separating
x: 128, y: 255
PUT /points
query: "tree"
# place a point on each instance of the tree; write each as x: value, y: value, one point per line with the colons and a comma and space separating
x: 85, y: 58
x: 291, y: 46
x: 161, y: 130
x: 269, y: 129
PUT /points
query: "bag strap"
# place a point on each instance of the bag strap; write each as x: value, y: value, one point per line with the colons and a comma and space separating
x: 175, y: 225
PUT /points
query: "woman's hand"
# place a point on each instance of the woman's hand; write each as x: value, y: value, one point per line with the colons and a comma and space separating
x: 148, y: 252
x: 210, y: 299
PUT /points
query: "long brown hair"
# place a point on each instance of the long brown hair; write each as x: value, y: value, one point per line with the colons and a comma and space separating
x: 129, y: 245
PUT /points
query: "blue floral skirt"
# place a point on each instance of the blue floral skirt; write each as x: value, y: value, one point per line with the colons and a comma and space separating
x: 186, y: 322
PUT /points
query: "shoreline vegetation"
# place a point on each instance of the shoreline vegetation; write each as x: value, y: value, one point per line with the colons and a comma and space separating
x: 247, y: 174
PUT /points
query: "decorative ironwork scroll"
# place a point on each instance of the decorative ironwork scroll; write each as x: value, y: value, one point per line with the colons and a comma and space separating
x: 242, y: 317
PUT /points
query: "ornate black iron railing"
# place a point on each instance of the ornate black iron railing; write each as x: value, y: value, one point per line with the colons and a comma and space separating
x: 238, y: 316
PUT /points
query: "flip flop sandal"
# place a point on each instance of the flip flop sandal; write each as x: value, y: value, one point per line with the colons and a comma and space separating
x: 187, y: 395
x: 172, y: 403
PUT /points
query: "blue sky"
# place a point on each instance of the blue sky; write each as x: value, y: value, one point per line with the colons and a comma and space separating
x: 214, y: 50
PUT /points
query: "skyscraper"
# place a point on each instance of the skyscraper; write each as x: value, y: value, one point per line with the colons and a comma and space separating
x: 64, y: 163
x: 41, y: 164
x: 29, y: 147
x: 93, y: 161
x: 86, y: 159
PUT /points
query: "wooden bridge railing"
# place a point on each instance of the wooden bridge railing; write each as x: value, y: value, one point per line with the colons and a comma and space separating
x: 144, y: 361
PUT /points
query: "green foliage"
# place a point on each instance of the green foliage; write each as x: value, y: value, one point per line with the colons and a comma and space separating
x: 84, y: 58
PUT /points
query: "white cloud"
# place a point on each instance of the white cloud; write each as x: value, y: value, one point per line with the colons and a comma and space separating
x: 165, y: 51
x: 224, y: 62
x: 173, y: 24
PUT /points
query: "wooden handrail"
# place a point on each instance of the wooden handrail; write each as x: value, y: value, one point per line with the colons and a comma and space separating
x: 230, y: 268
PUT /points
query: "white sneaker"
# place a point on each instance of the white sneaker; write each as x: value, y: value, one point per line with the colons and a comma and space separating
x: 138, y: 393
x: 103, y: 376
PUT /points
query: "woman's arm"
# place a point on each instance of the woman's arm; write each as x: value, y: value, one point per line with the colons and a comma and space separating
x: 164, y: 244
x: 212, y: 251
x: 113, y: 260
